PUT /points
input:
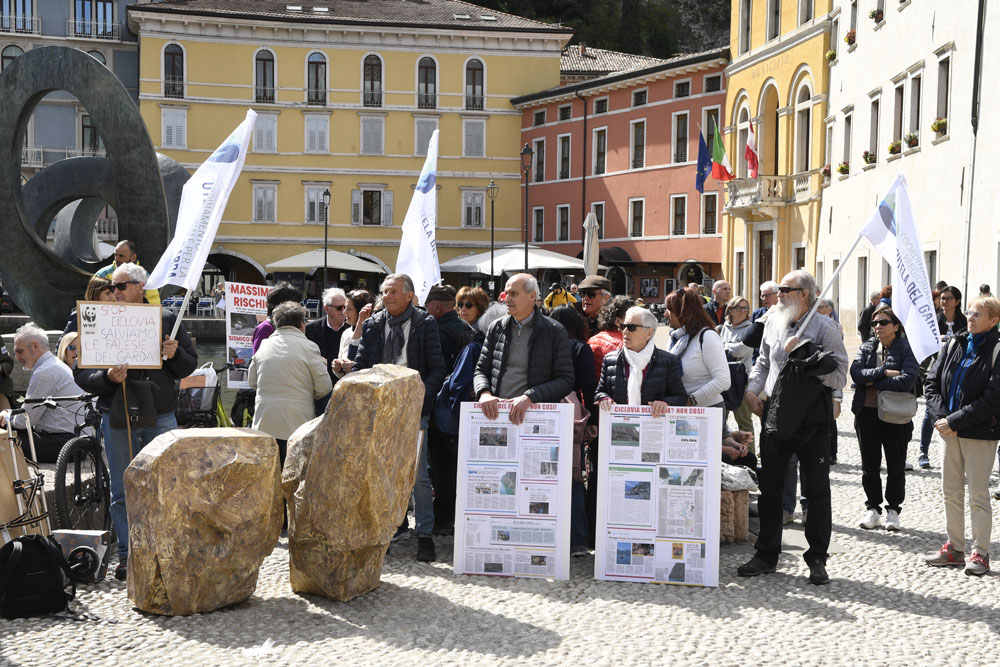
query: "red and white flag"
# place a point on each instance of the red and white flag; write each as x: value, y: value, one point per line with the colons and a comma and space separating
x: 750, y: 153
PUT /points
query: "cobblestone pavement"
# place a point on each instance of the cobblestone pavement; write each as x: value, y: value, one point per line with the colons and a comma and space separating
x: 882, y: 606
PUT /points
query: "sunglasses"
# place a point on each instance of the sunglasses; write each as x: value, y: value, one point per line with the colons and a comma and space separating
x: 337, y: 307
x: 784, y: 289
x: 121, y: 287
x: 71, y: 347
x: 589, y: 293
x: 632, y: 327
x: 881, y: 323
x: 465, y: 304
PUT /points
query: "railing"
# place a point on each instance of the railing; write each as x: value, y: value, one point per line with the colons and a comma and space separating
x: 32, y: 156
x: 29, y: 25
x: 564, y: 174
x: 680, y: 229
x: 427, y: 101
x: 92, y: 29
x: 86, y: 152
x: 710, y: 228
x: 638, y: 163
x: 474, y: 102
x: 772, y: 190
x: 263, y: 95
x: 373, y: 98
x: 681, y: 156
x: 173, y: 86
x: 316, y: 96
x: 107, y: 228
x: 599, y: 167
x: 539, y: 175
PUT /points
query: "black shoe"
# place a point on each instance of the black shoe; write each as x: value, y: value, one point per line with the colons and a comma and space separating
x: 817, y: 574
x: 121, y: 572
x: 425, y: 550
x: 754, y: 567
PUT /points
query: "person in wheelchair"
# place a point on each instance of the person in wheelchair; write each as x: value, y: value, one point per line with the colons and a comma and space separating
x: 49, y: 377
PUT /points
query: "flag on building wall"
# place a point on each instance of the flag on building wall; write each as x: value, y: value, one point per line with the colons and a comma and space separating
x: 203, y: 200
x: 722, y: 170
x: 750, y: 154
x: 418, y: 256
x: 893, y: 232
x: 704, y: 167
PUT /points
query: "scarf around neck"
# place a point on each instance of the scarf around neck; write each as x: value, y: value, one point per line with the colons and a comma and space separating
x: 679, y: 340
x: 637, y: 362
x: 394, y: 341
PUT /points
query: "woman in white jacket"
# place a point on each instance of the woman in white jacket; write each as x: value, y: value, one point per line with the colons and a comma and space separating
x: 694, y: 341
x: 734, y: 331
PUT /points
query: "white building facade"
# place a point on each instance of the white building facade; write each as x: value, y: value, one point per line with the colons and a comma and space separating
x: 901, y: 103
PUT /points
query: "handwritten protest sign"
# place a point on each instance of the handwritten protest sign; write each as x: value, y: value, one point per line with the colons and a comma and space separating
x: 119, y: 333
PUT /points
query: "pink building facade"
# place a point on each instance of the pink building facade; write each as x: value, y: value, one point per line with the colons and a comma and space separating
x: 625, y: 146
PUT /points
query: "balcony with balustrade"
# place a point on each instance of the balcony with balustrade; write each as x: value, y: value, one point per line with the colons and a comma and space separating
x: 373, y: 98
x: 316, y: 97
x: 744, y: 194
x: 20, y: 25
x: 474, y: 102
x: 92, y: 29
x: 86, y: 152
x: 32, y: 156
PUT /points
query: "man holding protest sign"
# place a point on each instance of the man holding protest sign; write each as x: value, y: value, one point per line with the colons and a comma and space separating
x: 136, y: 404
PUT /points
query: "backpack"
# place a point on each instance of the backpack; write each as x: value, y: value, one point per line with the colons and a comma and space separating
x: 738, y: 379
x: 34, y: 577
x: 456, y: 388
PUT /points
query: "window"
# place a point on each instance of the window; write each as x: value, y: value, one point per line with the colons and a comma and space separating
x: 317, y: 131
x: 854, y: 15
x: 538, y: 118
x: 474, y: 134
x: 315, y: 208
x: 474, y: 90
x: 930, y: 262
x: 423, y: 130
x: 639, y: 98
x: 372, y: 128
x: 598, y: 209
x: 682, y: 89
x: 92, y: 18
x: 173, y: 71
x: 538, y: 228
x: 636, y: 214
x: 539, y: 158
x: 740, y: 269
x: 174, y: 124
x: 773, y: 18
x: 680, y: 137
x: 9, y: 55
x: 562, y: 215
x: 601, y: 105
x: 710, y: 213
x: 897, y: 113
x: 98, y: 56
x: 372, y: 85
x: 371, y: 206
x: 944, y: 78
x: 265, y: 133
x: 600, y: 150
x: 17, y: 16
x: 89, y: 141
x: 745, y: 13
x: 873, y: 135
x: 799, y: 257
x: 862, y: 287
x: 472, y: 208
x: 742, y: 136
x: 638, y: 144
x: 828, y: 146
x: 678, y: 214
x: 264, y: 77
x: 316, y: 93
x: 564, y: 147
x: 264, y: 199
x: 835, y: 34
x: 713, y: 84
x: 806, y: 12
x: 566, y: 112
x: 427, y: 83
x: 803, y: 129
x: 848, y: 129
x: 710, y: 120
x: 914, y: 106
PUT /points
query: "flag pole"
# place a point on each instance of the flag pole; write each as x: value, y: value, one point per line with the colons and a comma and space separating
x: 829, y: 284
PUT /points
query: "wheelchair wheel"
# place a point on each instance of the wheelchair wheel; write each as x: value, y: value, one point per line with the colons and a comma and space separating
x: 82, y: 486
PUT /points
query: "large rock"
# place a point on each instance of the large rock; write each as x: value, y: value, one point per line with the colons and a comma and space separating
x: 204, y: 510
x: 347, y: 479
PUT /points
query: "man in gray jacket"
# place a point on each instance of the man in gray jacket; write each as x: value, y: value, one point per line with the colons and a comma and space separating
x: 526, y: 356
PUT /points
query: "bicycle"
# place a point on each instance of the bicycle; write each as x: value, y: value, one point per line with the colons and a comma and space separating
x: 193, y: 409
x: 27, y: 500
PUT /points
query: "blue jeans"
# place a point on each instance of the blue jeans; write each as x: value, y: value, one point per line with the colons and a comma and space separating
x: 926, y: 431
x: 423, y: 496
x: 117, y: 450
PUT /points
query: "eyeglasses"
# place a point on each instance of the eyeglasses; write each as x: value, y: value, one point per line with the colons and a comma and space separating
x: 632, y: 327
x: 763, y: 294
x: 784, y: 289
x: 743, y: 308
x: 121, y: 287
x: 465, y: 304
x: 947, y: 297
x: 589, y: 293
x: 881, y: 323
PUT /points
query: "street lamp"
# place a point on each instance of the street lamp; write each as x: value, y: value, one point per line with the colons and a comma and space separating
x: 491, y: 191
x: 526, y: 155
x: 326, y: 232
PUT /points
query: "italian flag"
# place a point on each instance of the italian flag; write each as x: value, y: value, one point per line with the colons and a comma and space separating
x: 722, y: 170
x: 750, y: 154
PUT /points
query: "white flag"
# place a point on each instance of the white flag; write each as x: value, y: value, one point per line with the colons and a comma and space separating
x: 893, y: 232
x: 202, y: 203
x: 418, y: 256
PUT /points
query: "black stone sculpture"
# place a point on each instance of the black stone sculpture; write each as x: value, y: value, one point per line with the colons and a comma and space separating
x: 43, y: 282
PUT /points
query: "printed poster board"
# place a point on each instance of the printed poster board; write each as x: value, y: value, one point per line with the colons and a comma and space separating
x: 658, y: 495
x: 246, y: 307
x: 113, y: 333
x: 512, y: 508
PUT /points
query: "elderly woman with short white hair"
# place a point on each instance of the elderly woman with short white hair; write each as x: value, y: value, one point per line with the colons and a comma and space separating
x: 640, y: 373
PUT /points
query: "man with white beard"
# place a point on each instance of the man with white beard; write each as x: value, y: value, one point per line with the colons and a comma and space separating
x: 809, y: 441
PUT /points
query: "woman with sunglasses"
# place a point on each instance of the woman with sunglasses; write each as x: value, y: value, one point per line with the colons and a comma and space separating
x: 471, y: 303
x: 608, y: 338
x: 98, y: 289
x: 67, y: 350
x: 963, y: 395
x: 885, y: 362
x: 358, y: 308
x: 694, y: 341
x: 735, y: 328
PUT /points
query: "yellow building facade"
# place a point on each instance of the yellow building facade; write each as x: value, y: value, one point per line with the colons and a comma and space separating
x: 778, y: 81
x: 346, y: 104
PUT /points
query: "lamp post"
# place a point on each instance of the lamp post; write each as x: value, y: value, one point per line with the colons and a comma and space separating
x: 526, y: 155
x: 491, y: 191
x: 326, y: 232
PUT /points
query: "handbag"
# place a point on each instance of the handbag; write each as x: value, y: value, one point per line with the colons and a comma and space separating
x: 35, y: 577
x: 896, y: 407
x: 140, y: 411
x: 738, y: 380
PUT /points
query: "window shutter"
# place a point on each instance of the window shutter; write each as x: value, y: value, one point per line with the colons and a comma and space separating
x: 387, y: 208
x: 269, y: 131
x: 311, y: 208
x: 355, y: 207
x: 258, y: 135
x: 180, y: 120
x: 258, y: 205
x: 168, y: 131
x: 322, y: 131
x: 269, y: 204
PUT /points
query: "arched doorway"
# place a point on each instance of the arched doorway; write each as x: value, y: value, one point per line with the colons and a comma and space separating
x: 550, y: 276
x: 619, y: 280
x: 691, y: 272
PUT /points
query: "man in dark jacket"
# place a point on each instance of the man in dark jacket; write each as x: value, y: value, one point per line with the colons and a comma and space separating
x: 455, y: 332
x: 526, y: 356
x: 716, y: 308
x: 404, y: 335
x: 865, y: 318
x: 127, y: 283
x: 327, y: 330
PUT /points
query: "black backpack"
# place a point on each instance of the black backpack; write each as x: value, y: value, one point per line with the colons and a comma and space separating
x: 34, y: 577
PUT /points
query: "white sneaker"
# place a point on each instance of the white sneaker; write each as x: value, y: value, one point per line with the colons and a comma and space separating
x: 891, y: 520
x: 871, y: 519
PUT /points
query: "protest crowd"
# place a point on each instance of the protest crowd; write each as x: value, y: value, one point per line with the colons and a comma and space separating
x: 585, y: 345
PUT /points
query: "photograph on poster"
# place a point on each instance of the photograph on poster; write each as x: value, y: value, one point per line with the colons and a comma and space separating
x: 549, y: 468
x: 507, y: 483
x: 686, y: 428
x: 673, y: 476
x: 642, y: 549
x: 676, y: 573
x: 650, y: 457
x: 636, y: 490
x: 624, y: 435
x: 538, y: 508
x: 539, y: 560
x: 490, y: 436
x: 492, y: 568
x: 503, y: 535
x: 624, y: 554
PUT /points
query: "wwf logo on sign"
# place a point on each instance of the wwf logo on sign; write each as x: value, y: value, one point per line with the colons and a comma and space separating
x: 89, y: 317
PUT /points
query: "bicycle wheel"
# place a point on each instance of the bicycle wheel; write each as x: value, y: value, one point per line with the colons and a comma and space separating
x: 82, y: 501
